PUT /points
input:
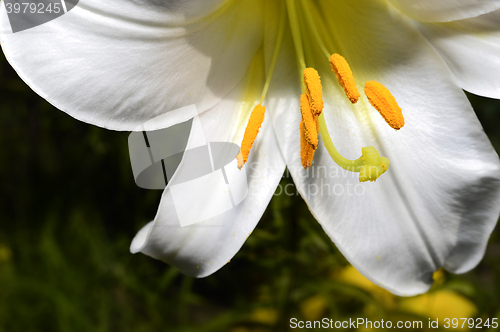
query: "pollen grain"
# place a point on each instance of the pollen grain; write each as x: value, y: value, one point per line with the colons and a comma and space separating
x: 344, y: 75
x: 384, y: 102
x: 251, y: 131
x: 314, y: 90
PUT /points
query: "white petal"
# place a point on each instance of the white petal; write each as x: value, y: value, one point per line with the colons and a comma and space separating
x: 439, y: 201
x: 203, y: 248
x: 118, y: 64
x: 471, y: 49
x: 445, y: 10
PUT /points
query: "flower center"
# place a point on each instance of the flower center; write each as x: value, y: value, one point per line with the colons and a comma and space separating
x: 370, y: 165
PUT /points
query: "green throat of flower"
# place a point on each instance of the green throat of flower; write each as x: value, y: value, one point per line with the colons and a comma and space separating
x: 370, y: 165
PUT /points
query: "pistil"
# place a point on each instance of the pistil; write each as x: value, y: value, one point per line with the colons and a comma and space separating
x: 370, y: 165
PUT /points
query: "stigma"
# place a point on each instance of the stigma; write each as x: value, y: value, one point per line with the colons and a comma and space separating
x: 373, y: 164
x: 384, y: 102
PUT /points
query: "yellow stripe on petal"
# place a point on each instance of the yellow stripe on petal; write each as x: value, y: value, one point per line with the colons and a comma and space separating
x: 251, y: 131
x: 345, y: 77
x: 306, y: 152
x: 314, y: 90
x: 310, y: 122
x: 384, y: 102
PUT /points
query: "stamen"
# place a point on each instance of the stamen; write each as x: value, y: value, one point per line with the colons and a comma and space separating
x: 306, y: 151
x: 344, y: 76
x: 257, y: 116
x: 251, y: 131
x: 384, y: 102
x: 310, y: 122
x: 314, y: 90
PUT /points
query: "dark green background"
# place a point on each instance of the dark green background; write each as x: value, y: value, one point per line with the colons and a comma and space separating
x: 70, y: 207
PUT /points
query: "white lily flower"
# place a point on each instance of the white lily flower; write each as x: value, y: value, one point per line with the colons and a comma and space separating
x: 117, y: 64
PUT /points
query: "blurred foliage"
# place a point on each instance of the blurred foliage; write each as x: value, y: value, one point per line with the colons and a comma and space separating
x: 70, y: 207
